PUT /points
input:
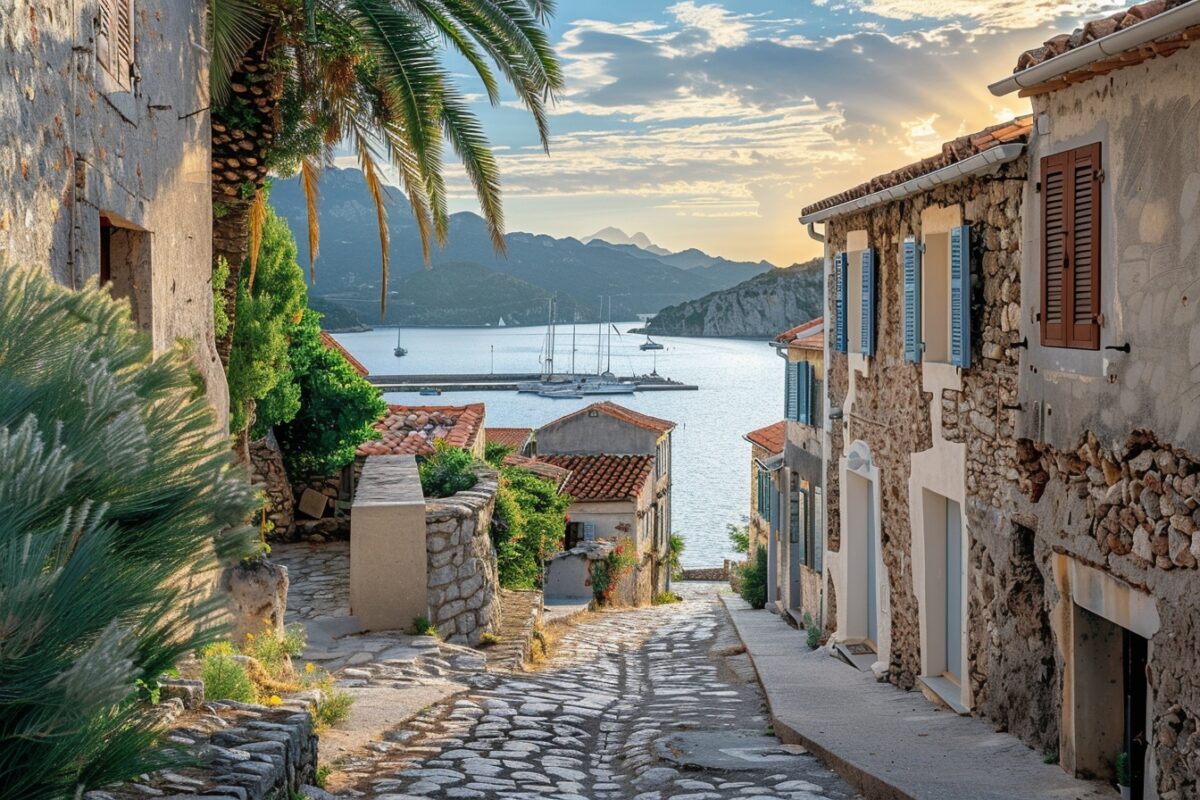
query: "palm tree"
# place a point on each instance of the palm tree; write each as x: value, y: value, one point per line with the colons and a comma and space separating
x: 293, y: 79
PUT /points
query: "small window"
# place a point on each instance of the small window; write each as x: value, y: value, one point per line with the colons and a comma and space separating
x: 937, y: 297
x: 1070, y: 189
x: 855, y: 311
x: 114, y: 40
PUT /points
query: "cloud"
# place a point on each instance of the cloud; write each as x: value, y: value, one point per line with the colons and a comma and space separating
x: 990, y: 13
x: 708, y: 27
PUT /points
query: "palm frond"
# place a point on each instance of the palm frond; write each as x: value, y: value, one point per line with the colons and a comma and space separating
x: 366, y: 160
x: 233, y: 27
x: 469, y: 141
x: 310, y: 174
x: 257, y: 218
x: 434, y: 11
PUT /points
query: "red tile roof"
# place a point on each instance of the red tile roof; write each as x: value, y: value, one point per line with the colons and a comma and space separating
x: 960, y: 149
x: 600, y: 478
x: 333, y: 344
x: 516, y: 438
x: 544, y: 470
x: 623, y: 414
x: 771, y: 438
x: 805, y: 332
x: 413, y: 429
x: 1098, y: 29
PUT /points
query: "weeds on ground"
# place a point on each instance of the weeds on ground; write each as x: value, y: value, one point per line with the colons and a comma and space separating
x: 489, y: 639
x: 332, y: 709
x: 424, y: 627
x: 666, y: 598
x: 813, y: 632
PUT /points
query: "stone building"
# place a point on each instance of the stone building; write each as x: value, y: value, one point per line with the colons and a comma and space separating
x: 616, y: 455
x: 766, y: 464
x: 923, y: 284
x: 104, y: 160
x: 1108, y: 405
x: 799, y: 574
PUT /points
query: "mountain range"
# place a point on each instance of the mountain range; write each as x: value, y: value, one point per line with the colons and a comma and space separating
x: 468, y: 283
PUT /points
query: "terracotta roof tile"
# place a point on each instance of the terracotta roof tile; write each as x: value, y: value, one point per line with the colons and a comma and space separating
x: 603, y: 477
x: 412, y: 430
x: 333, y: 344
x: 954, y: 151
x: 544, y: 470
x: 516, y: 438
x: 771, y: 438
x: 806, y: 329
x: 1093, y: 30
x: 623, y: 414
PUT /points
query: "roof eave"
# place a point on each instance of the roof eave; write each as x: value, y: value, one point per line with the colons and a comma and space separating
x: 976, y: 164
x: 1164, y: 24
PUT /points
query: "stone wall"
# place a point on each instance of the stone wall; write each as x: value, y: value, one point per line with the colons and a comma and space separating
x: 1132, y: 509
x: 78, y: 148
x: 269, y: 476
x: 463, y: 582
x: 235, y: 750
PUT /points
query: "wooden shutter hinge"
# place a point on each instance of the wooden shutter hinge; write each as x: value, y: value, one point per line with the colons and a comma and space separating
x: 1098, y: 319
x: 1125, y: 348
x: 1098, y: 175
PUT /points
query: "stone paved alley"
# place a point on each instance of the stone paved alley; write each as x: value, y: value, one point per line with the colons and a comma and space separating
x: 626, y: 708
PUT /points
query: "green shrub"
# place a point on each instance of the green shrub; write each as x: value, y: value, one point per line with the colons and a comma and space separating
x: 224, y: 677
x: 739, y: 537
x: 527, y: 528
x: 609, y: 570
x: 666, y: 598
x: 423, y: 627
x: 494, y: 453
x: 338, y: 407
x: 262, y: 384
x: 332, y: 709
x: 754, y: 579
x: 448, y: 471
x: 1121, y: 767
x: 121, y: 486
x: 813, y: 636
x: 675, y: 555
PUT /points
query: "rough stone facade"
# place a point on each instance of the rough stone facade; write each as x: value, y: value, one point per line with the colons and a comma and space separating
x: 893, y: 414
x: 463, y: 583
x: 114, y: 159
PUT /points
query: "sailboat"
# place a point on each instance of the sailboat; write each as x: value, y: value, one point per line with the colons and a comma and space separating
x: 399, y: 351
x: 574, y: 385
x: 650, y: 344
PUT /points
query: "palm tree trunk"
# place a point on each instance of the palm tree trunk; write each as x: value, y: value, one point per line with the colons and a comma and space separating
x: 243, y: 129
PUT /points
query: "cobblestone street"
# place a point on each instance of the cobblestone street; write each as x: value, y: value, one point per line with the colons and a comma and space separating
x: 627, y: 708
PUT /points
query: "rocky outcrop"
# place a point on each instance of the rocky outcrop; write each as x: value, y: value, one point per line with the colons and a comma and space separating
x: 760, y: 307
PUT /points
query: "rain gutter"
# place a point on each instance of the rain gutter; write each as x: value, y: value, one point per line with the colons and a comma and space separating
x: 978, y: 163
x: 1156, y: 27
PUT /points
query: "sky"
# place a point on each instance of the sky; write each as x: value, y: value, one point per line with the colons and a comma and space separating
x: 711, y: 124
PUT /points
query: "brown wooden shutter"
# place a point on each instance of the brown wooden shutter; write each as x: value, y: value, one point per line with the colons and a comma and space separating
x: 1071, y: 249
x: 114, y: 39
x: 1083, y: 330
x: 1054, y: 250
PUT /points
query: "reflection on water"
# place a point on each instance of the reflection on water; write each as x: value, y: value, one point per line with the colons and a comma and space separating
x: 741, y: 388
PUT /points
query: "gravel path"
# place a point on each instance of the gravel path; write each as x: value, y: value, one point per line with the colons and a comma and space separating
x: 654, y: 704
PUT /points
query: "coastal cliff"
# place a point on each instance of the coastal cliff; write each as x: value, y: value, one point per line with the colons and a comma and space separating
x: 761, y: 306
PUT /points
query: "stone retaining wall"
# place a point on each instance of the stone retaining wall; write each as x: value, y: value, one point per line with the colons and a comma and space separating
x: 269, y: 476
x: 463, y: 582
x: 240, y: 751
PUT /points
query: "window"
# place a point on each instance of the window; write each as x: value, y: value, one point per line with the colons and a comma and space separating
x: 114, y: 40
x: 855, y: 323
x: 763, y: 500
x: 1071, y: 249
x: 125, y: 266
x: 937, y: 297
x: 800, y: 391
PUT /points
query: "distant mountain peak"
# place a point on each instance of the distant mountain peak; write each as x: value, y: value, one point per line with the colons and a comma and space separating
x: 614, y: 235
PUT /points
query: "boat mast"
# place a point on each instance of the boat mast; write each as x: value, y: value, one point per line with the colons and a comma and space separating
x: 552, y: 316
x: 608, y: 367
x: 573, y: 321
x: 599, y: 332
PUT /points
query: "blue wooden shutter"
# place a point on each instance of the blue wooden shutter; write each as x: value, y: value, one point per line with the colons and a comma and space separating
x: 804, y: 392
x: 818, y: 517
x: 796, y: 523
x: 812, y: 396
x: 840, y: 266
x: 912, y: 301
x: 868, y: 302
x: 791, y: 405
x: 960, y: 296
